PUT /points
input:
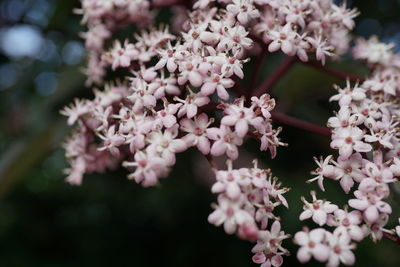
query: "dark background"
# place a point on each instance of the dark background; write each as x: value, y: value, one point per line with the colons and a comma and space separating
x: 110, y: 221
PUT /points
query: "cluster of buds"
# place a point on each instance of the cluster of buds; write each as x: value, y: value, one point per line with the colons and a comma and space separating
x: 177, y: 83
x: 366, y: 134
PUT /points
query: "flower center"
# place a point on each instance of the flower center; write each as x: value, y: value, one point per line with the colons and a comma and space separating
x: 348, y: 170
x: 142, y: 163
x: 230, y: 178
x: 348, y: 140
x: 198, y: 131
x: 227, y: 138
x: 236, y: 38
x: 229, y: 212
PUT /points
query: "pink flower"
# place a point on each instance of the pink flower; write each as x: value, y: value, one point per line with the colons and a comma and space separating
x: 75, y: 173
x: 197, y: 132
x: 169, y: 57
x: 112, y: 140
x: 265, y: 103
x: 340, y: 247
x: 235, y: 39
x: 347, y: 223
x: 232, y: 65
x: 322, y: 48
x: 166, y: 144
x: 345, y: 118
x: 371, y: 204
x: 348, y: 170
x: 149, y: 168
x: 323, y: 170
x: 226, y: 141
x: 282, y: 38
x: 75, y: 111
x: 230, y: 213
x: 141, y: 96
x: 243, y: 10
x: 312, y: 244
x: 164, y: 85
x: 241, y: 117
x: 270, y: 140
x: 318, y: 209
x: 167, y: 115
x: 123, y: 55
x: 219, y: 83
x: 349, y: 139
x: 347, y: 95
x: 191, y: 104
x: 189, y: 71
x: 230, y: 182
x: 268, y: 249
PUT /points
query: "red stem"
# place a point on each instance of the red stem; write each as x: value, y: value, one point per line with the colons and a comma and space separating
x: 392, y: 237
x: 298, y: 123
x: 238, y: 88
x: 269, y: 83
x: 336, y: 73
x: 257, y: 68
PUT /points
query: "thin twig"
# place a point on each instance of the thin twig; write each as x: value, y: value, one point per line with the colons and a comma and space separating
x: 275, y: 77
x: 392, y: 237
x: 239, y: 90
x: 298, y: 123
x: 336, y: 73
x: 257, y: 69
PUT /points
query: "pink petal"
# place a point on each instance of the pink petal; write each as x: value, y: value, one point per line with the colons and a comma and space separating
x: 303, y: 255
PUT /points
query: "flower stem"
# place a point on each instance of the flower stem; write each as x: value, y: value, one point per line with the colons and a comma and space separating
x: 274, y: 78
x: 257, y: 68
x: 298, y: 123
x: 336, y: 73
x: 392, y: 237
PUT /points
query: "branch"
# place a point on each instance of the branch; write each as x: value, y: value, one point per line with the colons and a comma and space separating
x: 269, y: 83
x: 336, y: 73
x: 239, y: 90
x: 298, y: 123
x: 257, y: 68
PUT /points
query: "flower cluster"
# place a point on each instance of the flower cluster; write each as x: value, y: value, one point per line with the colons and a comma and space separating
x: 325, y: 246
x: 246, y: 201
x: 166, y: 106
x: 184, y: 90
x: 366, y: 134
x: 103, y: 18
x: 301, y: 27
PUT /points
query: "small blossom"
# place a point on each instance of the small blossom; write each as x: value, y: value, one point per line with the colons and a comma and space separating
x: 312, y: 245
x: 317, y: 209
x: 226, y: 141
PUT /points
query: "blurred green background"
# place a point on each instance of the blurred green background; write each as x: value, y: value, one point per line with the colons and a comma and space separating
x: 110, y: 221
